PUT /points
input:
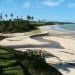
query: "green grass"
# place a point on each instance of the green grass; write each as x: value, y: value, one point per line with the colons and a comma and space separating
x: 7, y: 64
x: 13, y: 62
x: 36, y: 31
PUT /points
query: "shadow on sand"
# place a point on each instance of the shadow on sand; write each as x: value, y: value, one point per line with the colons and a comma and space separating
x: 66, y: 66
x: 49, y: 44
x: 53, y: 45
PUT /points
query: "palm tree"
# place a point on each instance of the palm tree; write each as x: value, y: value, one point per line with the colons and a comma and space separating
x: 28, y: 18
x: 6, y: 16
x: 11, y: 15
x: 1, y: 17
x: 44, y: 20
x: 32, y: 18
x: 17, y: 17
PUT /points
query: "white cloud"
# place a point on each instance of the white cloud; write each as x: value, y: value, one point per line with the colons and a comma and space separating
x: 26, y: 4
x: 72, y: 5
x: 52, y: 3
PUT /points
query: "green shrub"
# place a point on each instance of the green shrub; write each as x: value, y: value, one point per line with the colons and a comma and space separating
x: 14, y: 62
x: 16, y: 26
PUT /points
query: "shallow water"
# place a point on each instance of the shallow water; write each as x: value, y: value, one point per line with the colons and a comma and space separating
x: 70, y: 27
x: 64, y: 28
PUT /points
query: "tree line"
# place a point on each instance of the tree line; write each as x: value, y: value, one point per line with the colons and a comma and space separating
x: 11, y: 15
x: 17, y: 24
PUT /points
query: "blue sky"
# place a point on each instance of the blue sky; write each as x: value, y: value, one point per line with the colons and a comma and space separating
x: 51, y: 10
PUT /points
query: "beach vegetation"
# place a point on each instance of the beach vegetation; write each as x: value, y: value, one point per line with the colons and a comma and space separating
x: 13, y: 62
x: 16, y: 26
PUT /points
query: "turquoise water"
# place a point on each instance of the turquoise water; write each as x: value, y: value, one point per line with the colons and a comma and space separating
x: 70, y: 27
x: 65, y: 27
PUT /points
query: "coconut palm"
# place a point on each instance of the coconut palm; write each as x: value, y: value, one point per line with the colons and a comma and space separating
x: 11, y: 15
x: 32, y: 18
x: 6, y: 16
x: 17, y: 17
x: 1, y: 17
x: 28, y: 18
x: 44, y: 20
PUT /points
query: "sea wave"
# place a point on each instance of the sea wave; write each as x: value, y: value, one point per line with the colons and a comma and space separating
x: 56, y: 27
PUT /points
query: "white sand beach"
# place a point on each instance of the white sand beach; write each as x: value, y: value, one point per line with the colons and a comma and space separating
x: 60, y: 45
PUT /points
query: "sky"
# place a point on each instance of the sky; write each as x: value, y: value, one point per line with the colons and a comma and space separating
x: 51, y: 10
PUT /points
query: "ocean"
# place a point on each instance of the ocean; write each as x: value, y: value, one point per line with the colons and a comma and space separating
x: 65, y: 27
x: 70, y: 27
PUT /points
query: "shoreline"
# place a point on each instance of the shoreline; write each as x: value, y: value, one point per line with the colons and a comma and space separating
x: 46, y: 28
x: 56, y: 27
x: 54, y: 30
